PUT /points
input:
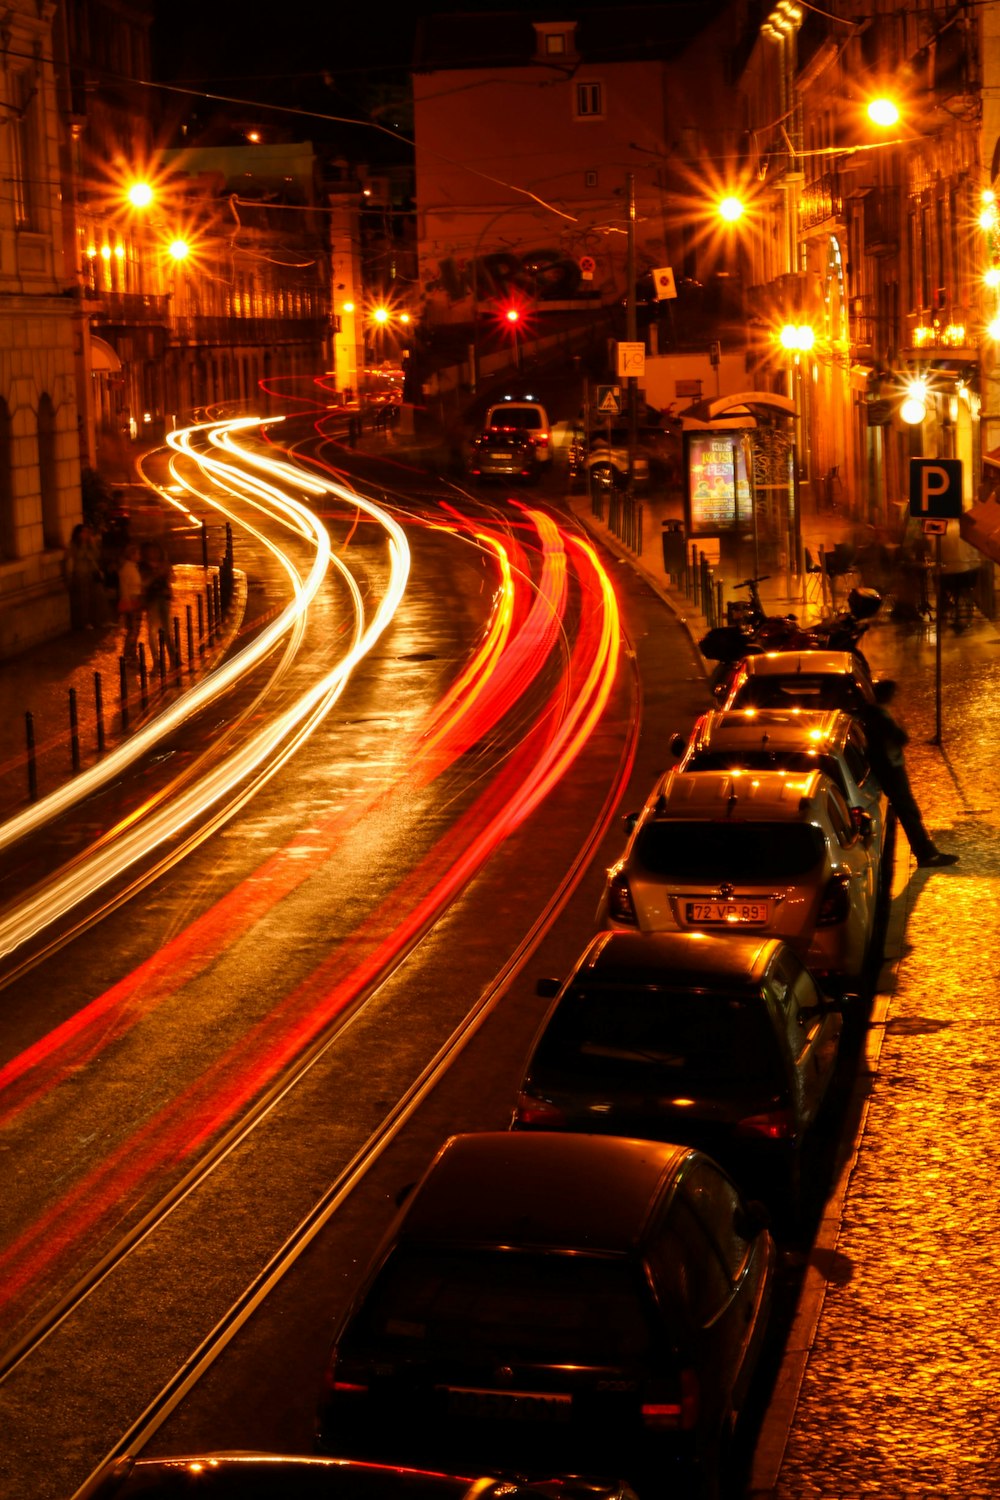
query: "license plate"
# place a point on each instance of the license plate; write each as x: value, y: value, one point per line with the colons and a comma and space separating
x: 735, y: 912
x: 509, y: 1406
x: 501, y: 457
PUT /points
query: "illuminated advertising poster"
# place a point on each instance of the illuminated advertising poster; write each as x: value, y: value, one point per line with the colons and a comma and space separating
x: 717, y: 503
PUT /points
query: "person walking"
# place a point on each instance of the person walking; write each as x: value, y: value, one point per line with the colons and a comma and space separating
x: 131, y: 605
x: 157, y: 573
x: 886, y: 741
x: 82, y: 575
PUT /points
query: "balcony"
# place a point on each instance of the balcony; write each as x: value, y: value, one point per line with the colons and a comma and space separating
x: 820, y: 202
x: 231, y: 332
x: 127, y: 309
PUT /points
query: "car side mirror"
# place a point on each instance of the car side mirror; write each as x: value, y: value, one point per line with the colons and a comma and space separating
x: 629, y: 821
x: 885, y: 690
x: 678, y: 745
x: 547, y: 988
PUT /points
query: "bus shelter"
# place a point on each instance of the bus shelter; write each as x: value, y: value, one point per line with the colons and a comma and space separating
x: 741, y: 494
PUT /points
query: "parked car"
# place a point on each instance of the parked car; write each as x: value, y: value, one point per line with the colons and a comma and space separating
x: 605, y: 461
x: 767, y: 851
x: 273, y: 1476
x: 791, y: 739
x: 505, y: 452
x: 800, y: 679
x: 526, y: 416
x: 557, y: 1301
x: 721, y: 1040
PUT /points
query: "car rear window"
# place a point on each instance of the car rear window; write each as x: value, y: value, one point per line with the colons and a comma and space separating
x: 517, y: 416
x: 743, y: 853
x: 662, y: 1039
x: 537, y: 1308
x: 769, y: 760
x: 811, y: 691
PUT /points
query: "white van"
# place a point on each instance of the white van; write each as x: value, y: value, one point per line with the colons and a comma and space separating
x: 527, y: 416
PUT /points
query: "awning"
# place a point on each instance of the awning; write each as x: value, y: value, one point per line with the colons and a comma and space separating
x: 102, y: 357
x: 740, y: 410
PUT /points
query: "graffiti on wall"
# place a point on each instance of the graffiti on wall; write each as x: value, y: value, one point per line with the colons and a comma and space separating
x: 546, y: 275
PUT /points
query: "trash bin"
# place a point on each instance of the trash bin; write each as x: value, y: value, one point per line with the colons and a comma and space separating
x: 674, y: 548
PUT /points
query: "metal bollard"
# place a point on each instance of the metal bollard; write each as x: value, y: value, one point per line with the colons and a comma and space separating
x: 29, y: 737
x: 123, y: 693
x: 189, y: 616
x: 143, y: 683
x: 74, y: 731
x: 204, y: 545
x: 161, y: 657
x: 201, y: 626
x: 99, y: 712
x: 177, y: 648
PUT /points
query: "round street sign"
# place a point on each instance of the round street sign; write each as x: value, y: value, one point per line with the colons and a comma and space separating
x: 588, y: 266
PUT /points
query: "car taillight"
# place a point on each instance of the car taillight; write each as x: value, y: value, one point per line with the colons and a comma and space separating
x: 836, y: 903
x: 621, y: 907
x: 531, y: 1111
x: 774, y: 1125
x: 675, y: 1414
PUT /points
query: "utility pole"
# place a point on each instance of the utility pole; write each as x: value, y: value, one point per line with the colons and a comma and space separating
x: 630, y: 331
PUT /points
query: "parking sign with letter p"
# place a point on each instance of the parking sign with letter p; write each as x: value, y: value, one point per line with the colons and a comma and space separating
x: 936, y: 488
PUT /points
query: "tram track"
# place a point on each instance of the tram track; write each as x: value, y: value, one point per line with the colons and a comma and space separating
x: 575, y: 716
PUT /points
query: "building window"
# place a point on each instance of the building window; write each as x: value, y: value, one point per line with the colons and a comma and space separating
x: 590, y: 179
x: 589, y: 101
x: 48, y: 472
x: 555, y: 44
x: 24, y: 150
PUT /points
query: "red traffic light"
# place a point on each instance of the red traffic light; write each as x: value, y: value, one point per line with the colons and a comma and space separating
x: 512, y: 315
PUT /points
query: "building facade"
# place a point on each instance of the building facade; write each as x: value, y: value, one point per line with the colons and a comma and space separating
x: 876, y: 231
x: 538, y: 140
x: 40, y: 335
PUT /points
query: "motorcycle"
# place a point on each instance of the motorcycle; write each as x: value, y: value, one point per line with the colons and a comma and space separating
x: 751, y: 630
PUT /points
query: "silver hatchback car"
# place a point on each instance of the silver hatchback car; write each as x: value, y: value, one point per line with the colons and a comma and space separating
x: 801, y: 679
x: 791, y: 739
x: 775, y: 852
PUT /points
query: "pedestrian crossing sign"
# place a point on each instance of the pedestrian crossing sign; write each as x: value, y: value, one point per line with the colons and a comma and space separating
x: 609, y: 400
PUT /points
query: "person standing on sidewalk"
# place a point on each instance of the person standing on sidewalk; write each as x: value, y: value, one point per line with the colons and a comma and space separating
x: 82, y: 574
x: 157, y: 573
x: 886, y: 741
x: 131, y: 605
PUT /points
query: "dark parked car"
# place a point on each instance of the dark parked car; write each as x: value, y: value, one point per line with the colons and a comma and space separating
x: 552, y: 1303
x: 725, y: 1042
x: 505, y: 453
x: 272, y: 1476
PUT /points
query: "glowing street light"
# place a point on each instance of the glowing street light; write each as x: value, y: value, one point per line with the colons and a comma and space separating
x: 798, y: 337
x: 140, y: 195
x: 914, y: 407
x: 883, y: 112
x: 731, y: 209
